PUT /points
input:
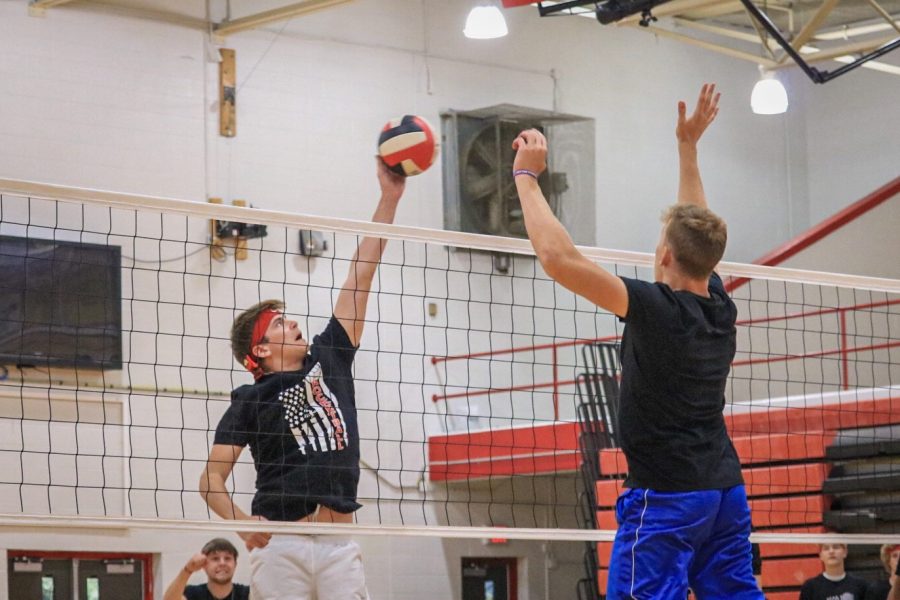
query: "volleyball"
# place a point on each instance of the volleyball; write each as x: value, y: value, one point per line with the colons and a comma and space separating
x: 407, y: 145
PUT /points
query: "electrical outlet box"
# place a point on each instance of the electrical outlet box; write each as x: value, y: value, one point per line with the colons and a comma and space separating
x: 312, y: 243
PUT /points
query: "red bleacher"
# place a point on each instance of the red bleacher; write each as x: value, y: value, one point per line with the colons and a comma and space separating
x: 784, y: 471
x: 782, y: 450
x: 550, y: 448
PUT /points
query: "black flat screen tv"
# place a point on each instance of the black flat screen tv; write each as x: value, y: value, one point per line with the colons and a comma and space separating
x: 60, y: 303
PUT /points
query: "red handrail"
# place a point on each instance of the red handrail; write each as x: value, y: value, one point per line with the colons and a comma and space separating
x: 555, y: 384
x: 823, y: 229
x: 843, y: 350
x: 436, y: 359
x: 816, y: 313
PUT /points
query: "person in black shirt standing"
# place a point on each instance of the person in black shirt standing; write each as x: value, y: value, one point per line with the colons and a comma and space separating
x: 890, y: 558
x: 299, y: 420
x: 894, y: 594
x: 219, y: 559
x: 684, y: 521
x: 834, y: 583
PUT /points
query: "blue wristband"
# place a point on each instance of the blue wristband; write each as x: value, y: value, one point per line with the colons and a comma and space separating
x: 518, y: 172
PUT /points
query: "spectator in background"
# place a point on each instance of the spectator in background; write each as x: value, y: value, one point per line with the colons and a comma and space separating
x: 834, y: 583
x: 894, y: 594
x: 880, y: 590
x: 219, y: 559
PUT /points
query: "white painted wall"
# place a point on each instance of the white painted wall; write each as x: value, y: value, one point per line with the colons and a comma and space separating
x: 868, y: 245
x: 852, y: 147
x: 115, y: 102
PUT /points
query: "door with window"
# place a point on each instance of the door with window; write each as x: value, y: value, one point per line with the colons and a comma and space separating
x: 109, y: 579
x: 35, y: 579
x: 36, y: 575
x: 489, y: 578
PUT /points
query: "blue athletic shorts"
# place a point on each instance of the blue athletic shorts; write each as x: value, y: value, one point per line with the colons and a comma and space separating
x: 669, y: 541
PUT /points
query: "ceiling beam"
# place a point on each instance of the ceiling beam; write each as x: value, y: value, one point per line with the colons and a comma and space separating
x: 37, y: 8
x: 743, y: 36
x: 716, y: 10
x: 845, y: 31
x: 872, y: 64
x: 671, y: 8
x: 849, y: 49
x: 42, y: 4
x: 276, y: 14
x: 720, y: 30
x: 813, y: 24
x: 885, y: 15
x: 732, y: 52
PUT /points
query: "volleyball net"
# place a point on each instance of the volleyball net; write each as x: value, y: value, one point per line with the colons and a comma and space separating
x: 486, y: 394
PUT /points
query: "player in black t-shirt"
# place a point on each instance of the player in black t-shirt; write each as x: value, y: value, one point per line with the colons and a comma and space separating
x: 299, y: 420
x: 834, y: 583
x: 219, y: 559
x: 684, y: 521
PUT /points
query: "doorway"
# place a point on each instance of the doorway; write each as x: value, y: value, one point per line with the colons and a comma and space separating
x: 489, y: 578
x: 96, y: 576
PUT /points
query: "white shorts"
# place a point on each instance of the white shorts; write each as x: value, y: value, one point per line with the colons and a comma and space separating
x: 307, y: 567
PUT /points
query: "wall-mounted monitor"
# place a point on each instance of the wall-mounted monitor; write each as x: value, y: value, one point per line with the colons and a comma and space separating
x: 60, y: 303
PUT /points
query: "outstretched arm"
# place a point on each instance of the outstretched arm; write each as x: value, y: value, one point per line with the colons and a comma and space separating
x: 689, y: 131
x: 554, y: 247
x: 350, y: 308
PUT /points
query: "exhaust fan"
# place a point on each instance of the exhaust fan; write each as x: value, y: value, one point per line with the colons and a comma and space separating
x: 479, y: 191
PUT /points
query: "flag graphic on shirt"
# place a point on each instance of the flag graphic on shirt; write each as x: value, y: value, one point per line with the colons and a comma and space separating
x: 314, y: 414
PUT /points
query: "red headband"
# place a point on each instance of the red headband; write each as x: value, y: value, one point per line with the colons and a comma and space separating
x: 259, y: 332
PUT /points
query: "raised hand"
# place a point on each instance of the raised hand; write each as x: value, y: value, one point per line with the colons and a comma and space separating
x: 531, y: 151
x: 690, y: 129
x: 197, y: 562
x: 392, y: 184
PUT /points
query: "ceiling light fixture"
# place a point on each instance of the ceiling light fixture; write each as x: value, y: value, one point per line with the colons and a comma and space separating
x: 769, y: 96
x: 485, y: 23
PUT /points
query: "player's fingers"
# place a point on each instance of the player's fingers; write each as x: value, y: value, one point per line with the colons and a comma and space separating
x: 713, y: 97
x: 701, y: 99
x: 715, y: 101
x: 530, y: 137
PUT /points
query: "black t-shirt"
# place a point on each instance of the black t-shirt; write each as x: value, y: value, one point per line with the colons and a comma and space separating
x: 302, y: 431
x: 878, y: 590
x: 677, y: 349
x: 821, y: 588
x: 201, y: 592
